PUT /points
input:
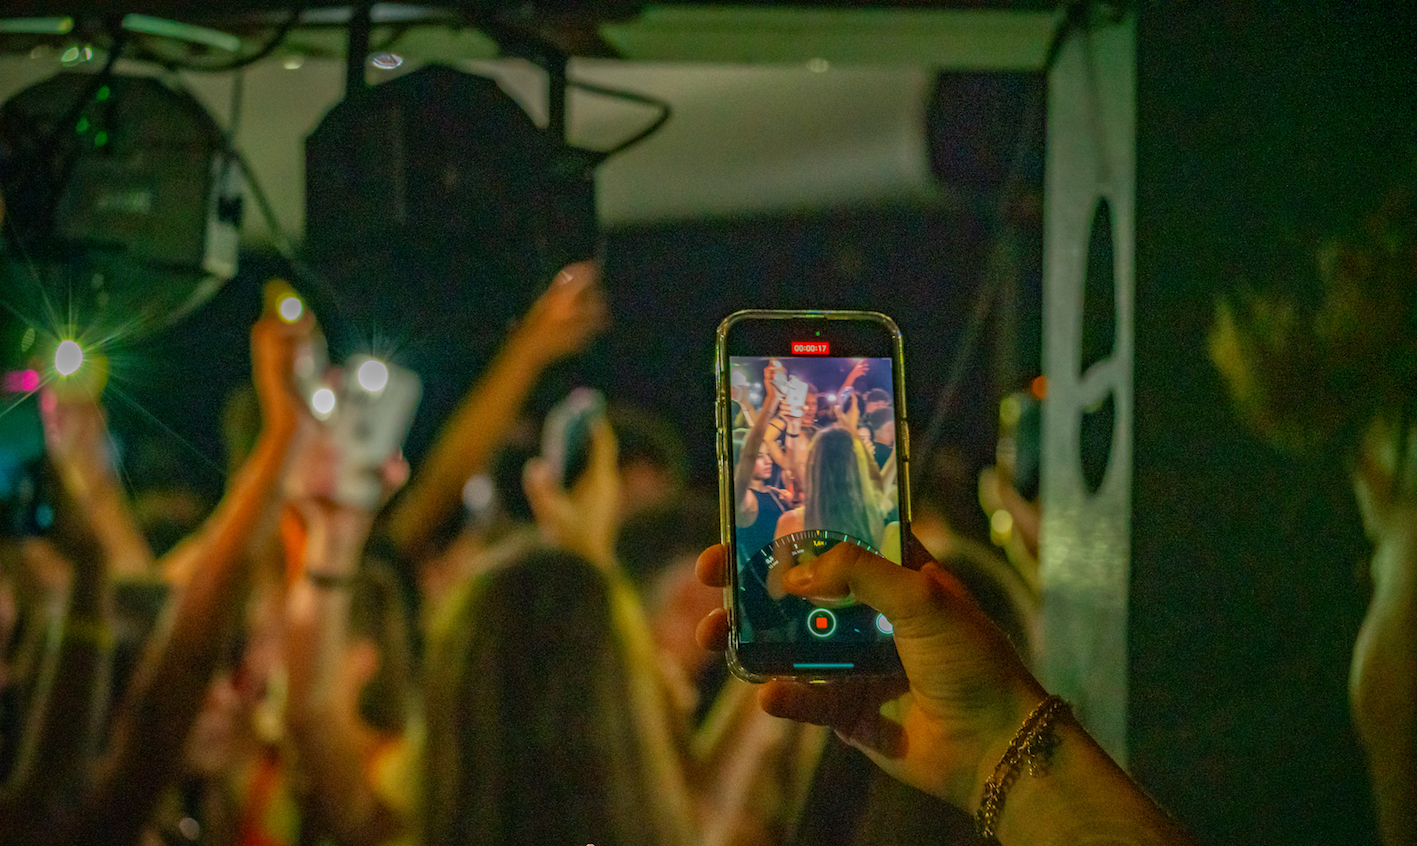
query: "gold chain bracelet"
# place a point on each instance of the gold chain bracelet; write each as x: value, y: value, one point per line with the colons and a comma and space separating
x: 1031, y: 745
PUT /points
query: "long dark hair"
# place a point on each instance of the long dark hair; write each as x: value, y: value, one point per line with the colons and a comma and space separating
x: 532, y: 737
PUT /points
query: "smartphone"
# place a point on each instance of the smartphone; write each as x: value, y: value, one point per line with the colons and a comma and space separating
x: 565, y: 435
x: 26, y: 490
x: 371, y: 419
x: 844, y: 492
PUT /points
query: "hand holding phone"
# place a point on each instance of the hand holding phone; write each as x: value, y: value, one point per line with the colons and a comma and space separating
x: 566, y: 433
x: 573, y: 487
x: 373, y: 414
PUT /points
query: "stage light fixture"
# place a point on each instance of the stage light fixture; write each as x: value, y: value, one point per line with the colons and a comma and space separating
x: 121, y: 196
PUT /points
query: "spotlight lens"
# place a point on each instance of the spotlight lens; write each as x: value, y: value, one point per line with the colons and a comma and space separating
x: 373, y: 376
x: 68, y: 358
x: 322, y: 402
x: 290, y: 309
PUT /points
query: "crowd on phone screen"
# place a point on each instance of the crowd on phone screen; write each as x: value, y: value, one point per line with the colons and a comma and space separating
x: 282, y: 667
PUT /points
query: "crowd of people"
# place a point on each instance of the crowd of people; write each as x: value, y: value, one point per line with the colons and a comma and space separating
x: 303, y: 667
x: 306, y: 667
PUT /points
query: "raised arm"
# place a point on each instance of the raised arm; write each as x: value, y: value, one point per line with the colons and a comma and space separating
x: 70, y: 695
x: 561, y: 322
x: 748, y: 456
x: 172, y: 677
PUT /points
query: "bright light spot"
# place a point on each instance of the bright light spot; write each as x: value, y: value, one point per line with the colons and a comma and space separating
x: 883, y: 625
x: 68, y: 358
x: 1010, y: 410
x: 69, y: 56
x: 322, y: 402
x: 293, y: 62
x: 1039, y: 387
x: 386, y: 61
x: 479, y: 493
x: 818, y: 65
x: 290, y: 309
x: 190, y: 828
x: 373, y: 375
x: 831, y: 398
x: 1001, y: 523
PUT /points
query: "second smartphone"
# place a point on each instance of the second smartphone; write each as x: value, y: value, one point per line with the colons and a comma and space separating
x: 813, y: 452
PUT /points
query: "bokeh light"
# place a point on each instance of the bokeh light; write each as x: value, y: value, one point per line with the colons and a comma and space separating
x: 372, y: 375
x: 68, y: 358
x: 290, y: 309
x: 322, y: 403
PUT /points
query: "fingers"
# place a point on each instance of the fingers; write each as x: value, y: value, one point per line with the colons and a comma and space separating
x: 899, y: 593
x: 852, y: 706
x: 712, y: 631
x: 541, y: 488
x: 712, y: 566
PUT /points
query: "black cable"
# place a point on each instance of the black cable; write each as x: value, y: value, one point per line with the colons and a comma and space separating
x: 665, y: 110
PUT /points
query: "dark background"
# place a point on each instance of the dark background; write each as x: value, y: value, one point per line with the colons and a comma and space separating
x: 1262, y: 128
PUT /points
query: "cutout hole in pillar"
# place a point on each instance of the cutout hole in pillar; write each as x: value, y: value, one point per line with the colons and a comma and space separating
x: 1099, y: 291
x: 1095, y: 432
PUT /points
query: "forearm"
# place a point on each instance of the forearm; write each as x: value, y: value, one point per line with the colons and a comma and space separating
x: 126, y: 549
x: 60, y: 736
x: 324, y: 726
x: 332, y: 745
x: 466, y: 443
x: 176, y: 669
x: 1082, y: 797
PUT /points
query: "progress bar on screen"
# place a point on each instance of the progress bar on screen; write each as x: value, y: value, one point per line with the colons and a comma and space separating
x: 824, y: 666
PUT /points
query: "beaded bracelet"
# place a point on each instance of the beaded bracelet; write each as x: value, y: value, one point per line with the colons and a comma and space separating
x: 1031, y: 745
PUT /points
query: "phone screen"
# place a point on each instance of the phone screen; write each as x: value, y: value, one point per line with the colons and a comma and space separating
x: 818, y: 395
x: 25, y: 498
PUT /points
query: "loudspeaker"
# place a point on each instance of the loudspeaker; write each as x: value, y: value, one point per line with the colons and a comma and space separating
x: 120, y: 196
x: 438, y: 212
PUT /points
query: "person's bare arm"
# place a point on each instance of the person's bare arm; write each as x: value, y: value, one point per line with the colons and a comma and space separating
x: 562, y: 321
x: 1382, y: 682
x: 325, y: 728
x: 60, y: 732
x: 748, y: 456
x: 946, y: 725
x: 176, y: 668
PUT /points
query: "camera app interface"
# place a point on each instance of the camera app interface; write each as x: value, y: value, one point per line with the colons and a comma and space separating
x: 825, y: 474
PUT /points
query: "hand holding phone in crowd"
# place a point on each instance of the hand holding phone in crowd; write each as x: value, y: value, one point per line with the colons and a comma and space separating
x: 837, y: 495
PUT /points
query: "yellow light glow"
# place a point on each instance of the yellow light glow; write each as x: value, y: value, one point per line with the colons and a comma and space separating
x: 290, y: 308
x: 68, y: 358
x: 1001, y: 524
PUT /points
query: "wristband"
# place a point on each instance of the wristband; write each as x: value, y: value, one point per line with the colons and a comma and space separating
x: 331, y: 581
x: 1031, y: 745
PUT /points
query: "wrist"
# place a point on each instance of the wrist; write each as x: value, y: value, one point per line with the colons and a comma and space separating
x: 999, y: 728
